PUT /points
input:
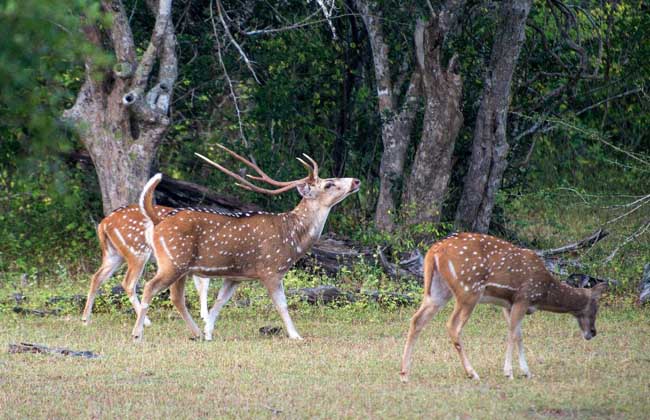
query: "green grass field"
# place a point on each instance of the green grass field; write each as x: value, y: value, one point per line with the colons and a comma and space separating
x: 347, y: 366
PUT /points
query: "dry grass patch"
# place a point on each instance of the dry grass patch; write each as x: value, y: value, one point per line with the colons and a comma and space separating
x: 347, y: 367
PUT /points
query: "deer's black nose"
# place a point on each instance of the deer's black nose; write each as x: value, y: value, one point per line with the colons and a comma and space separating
x: 356, y: 183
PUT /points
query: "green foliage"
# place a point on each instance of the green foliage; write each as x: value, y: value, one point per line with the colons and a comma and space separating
x: 46, y: 220
x: 317, y: 95
x: 42, y: 42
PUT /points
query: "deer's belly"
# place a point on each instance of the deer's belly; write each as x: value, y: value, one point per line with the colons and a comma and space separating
x: 495, y: 301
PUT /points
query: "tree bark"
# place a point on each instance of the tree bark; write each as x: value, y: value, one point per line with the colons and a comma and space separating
x: 442, y: 88
x: 397, y: 119
x: 490, y: 146
x: 122, y: 116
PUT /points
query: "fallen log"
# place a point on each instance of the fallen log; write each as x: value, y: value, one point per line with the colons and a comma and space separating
x: 328, y: 294
x: 587, y: 281
x: 173, y: 192
x: 322, y: 295
x: 330, y: 255
x: 176, y: 193
x: 37, y: 312
x: 38, y: 348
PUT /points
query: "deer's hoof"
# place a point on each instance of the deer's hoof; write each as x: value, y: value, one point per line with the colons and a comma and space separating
x: 404, y: 377
x: 474, y: 376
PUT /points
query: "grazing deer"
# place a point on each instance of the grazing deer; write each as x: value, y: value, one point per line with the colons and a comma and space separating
x: 237, y: 246
x: 477, y: 268
x: 121, y: 236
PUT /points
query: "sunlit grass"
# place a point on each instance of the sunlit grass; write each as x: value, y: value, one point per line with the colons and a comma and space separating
x: 346, y: 367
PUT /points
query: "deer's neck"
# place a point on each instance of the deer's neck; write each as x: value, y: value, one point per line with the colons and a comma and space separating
x: 305, y: 223
x: 563, y: 298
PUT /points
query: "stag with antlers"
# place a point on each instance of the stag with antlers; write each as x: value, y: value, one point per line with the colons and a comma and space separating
x: 237, y: 246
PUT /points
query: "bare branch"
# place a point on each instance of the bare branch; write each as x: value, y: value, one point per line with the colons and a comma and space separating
x: 242, y: 54
x: 587, y: 242
x: 121, y: 35
x: 145, y: 66
x: 640, y: 231
x: 217, y: 43
x: 611, y: 98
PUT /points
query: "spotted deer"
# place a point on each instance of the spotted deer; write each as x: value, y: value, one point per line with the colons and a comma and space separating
x: 238, y: 246
x: 121, y: 237
x: 477, y: 268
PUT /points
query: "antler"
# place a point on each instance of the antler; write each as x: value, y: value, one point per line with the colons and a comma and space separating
x: 244, y: 183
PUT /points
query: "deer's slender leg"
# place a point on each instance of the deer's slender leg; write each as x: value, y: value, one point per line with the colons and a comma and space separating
x: 130, y: 282
x: 523, y: 365
x: 455, y: 324
x: 516, y: 316
x: 225, y: 293
x: 177, y: 296
x: 420, y: 319
x: 111, y: 261
x: 162, y: 280
x: 276, y: 291
x: 202, y: 285
x: 440, y: 295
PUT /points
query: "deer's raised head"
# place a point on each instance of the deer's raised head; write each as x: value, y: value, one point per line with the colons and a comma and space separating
x: 587, y: 317
x: 319, y: 192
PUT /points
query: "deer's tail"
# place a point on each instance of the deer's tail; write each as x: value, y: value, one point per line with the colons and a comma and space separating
x: 146, y: 200
x: 430, y: 267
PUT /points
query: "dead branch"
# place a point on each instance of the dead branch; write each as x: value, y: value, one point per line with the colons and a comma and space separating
x: 587, y: 242
x: 38, y: 348
x: 242, y: 54
x: 233, y: 94
x: 640, y: 231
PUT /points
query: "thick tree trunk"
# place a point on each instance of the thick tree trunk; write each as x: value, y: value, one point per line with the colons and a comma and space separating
x: 397, y: 120
x: 395, y: 138
x: 442, y: 87
x: 490, y: 146
x: 122, y: 117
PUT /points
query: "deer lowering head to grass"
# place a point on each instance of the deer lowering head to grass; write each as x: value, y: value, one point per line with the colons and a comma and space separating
x: 121, y: 237
x: 238, y: 246
x: 477, y: 268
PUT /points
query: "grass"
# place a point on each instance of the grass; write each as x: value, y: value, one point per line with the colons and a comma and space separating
x: 346, y: 367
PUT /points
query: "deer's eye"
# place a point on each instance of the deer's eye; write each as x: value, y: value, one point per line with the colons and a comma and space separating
x: 329, y: 185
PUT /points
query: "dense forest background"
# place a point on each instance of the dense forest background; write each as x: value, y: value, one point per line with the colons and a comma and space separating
x: 527, y: 119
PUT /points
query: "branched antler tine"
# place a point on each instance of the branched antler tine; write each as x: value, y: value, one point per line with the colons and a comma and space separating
x: 251, y: 187
x: 315, y: 169
x: 242, y: 159
x: 308, y: 166
x: 225, y: 170
x: 264, y: 177
x: 244, y: 183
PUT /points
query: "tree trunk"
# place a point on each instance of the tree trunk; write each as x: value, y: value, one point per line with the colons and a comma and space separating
x: 395, y: 135
x: 122, y: 116
x: 442, y: 88
x: 490, y: 146
x: 397, y: 120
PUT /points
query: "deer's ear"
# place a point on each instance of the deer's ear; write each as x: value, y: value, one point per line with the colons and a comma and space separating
x: 598, y: 290
x: 305, y: 190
